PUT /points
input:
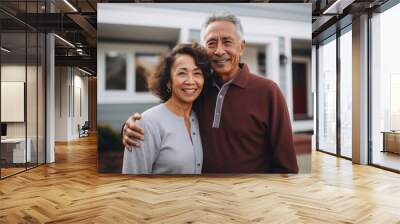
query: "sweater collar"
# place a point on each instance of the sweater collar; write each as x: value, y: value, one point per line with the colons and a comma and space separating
x: 240, y: 79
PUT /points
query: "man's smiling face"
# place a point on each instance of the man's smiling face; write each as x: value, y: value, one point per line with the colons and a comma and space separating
x: 224, y: 47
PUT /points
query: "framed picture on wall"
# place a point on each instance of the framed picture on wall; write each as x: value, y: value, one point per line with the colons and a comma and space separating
x: 12, y: 101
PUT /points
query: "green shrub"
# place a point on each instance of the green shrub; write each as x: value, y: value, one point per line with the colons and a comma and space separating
x: 109, y: 140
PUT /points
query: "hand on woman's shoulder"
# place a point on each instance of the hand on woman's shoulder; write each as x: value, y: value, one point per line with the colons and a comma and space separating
x: 151, y: 118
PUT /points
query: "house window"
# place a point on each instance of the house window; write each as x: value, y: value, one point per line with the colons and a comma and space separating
x: 124, y: 70
x: 145, y: 65
x: 115, y: 71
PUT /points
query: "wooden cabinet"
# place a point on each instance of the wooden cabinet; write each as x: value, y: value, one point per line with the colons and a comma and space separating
x: 391, y: 141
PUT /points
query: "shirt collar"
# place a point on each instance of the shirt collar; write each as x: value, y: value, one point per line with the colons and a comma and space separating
x: 240, y: 79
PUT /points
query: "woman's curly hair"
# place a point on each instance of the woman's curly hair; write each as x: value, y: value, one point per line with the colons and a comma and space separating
x: 158, y: 82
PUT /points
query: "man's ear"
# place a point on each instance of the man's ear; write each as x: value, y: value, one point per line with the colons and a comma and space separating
x: 242, y: 47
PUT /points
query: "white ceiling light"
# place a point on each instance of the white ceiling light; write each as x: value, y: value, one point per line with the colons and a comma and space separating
x: 337, y: 7
x: 5, y: 49
x: 70, y: 5
x: 86, y: 72
x: 65, y: 41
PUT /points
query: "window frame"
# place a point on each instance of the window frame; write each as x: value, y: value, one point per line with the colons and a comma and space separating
x: 371, y: 15
x: 129, y: 95
x: 333, y: 37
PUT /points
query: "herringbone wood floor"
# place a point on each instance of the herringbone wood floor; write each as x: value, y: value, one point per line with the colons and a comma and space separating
x: 71, y: 191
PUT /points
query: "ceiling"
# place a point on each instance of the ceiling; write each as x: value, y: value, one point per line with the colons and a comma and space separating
x: 76, y: 22
x: 331, y: 15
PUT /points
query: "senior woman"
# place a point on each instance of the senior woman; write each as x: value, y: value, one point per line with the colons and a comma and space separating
x: 172, y: 144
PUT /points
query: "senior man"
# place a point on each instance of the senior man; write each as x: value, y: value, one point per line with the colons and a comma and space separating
x: 243, y: 118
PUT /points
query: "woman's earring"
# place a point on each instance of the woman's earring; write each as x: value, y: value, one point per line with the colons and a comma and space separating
x: 168, y: 89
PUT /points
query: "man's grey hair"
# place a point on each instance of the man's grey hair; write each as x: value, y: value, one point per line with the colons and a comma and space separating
x: 223, y: 16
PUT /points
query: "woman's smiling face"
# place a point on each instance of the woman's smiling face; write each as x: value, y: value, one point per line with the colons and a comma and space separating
x: 187, y: 79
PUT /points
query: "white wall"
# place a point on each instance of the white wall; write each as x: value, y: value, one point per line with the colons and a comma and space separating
x: 70, y: 84
x: 17, y: 73
x: 62, y: 81
x: 80, y: 100
x: 14, y: 73
x: 33, y: 126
